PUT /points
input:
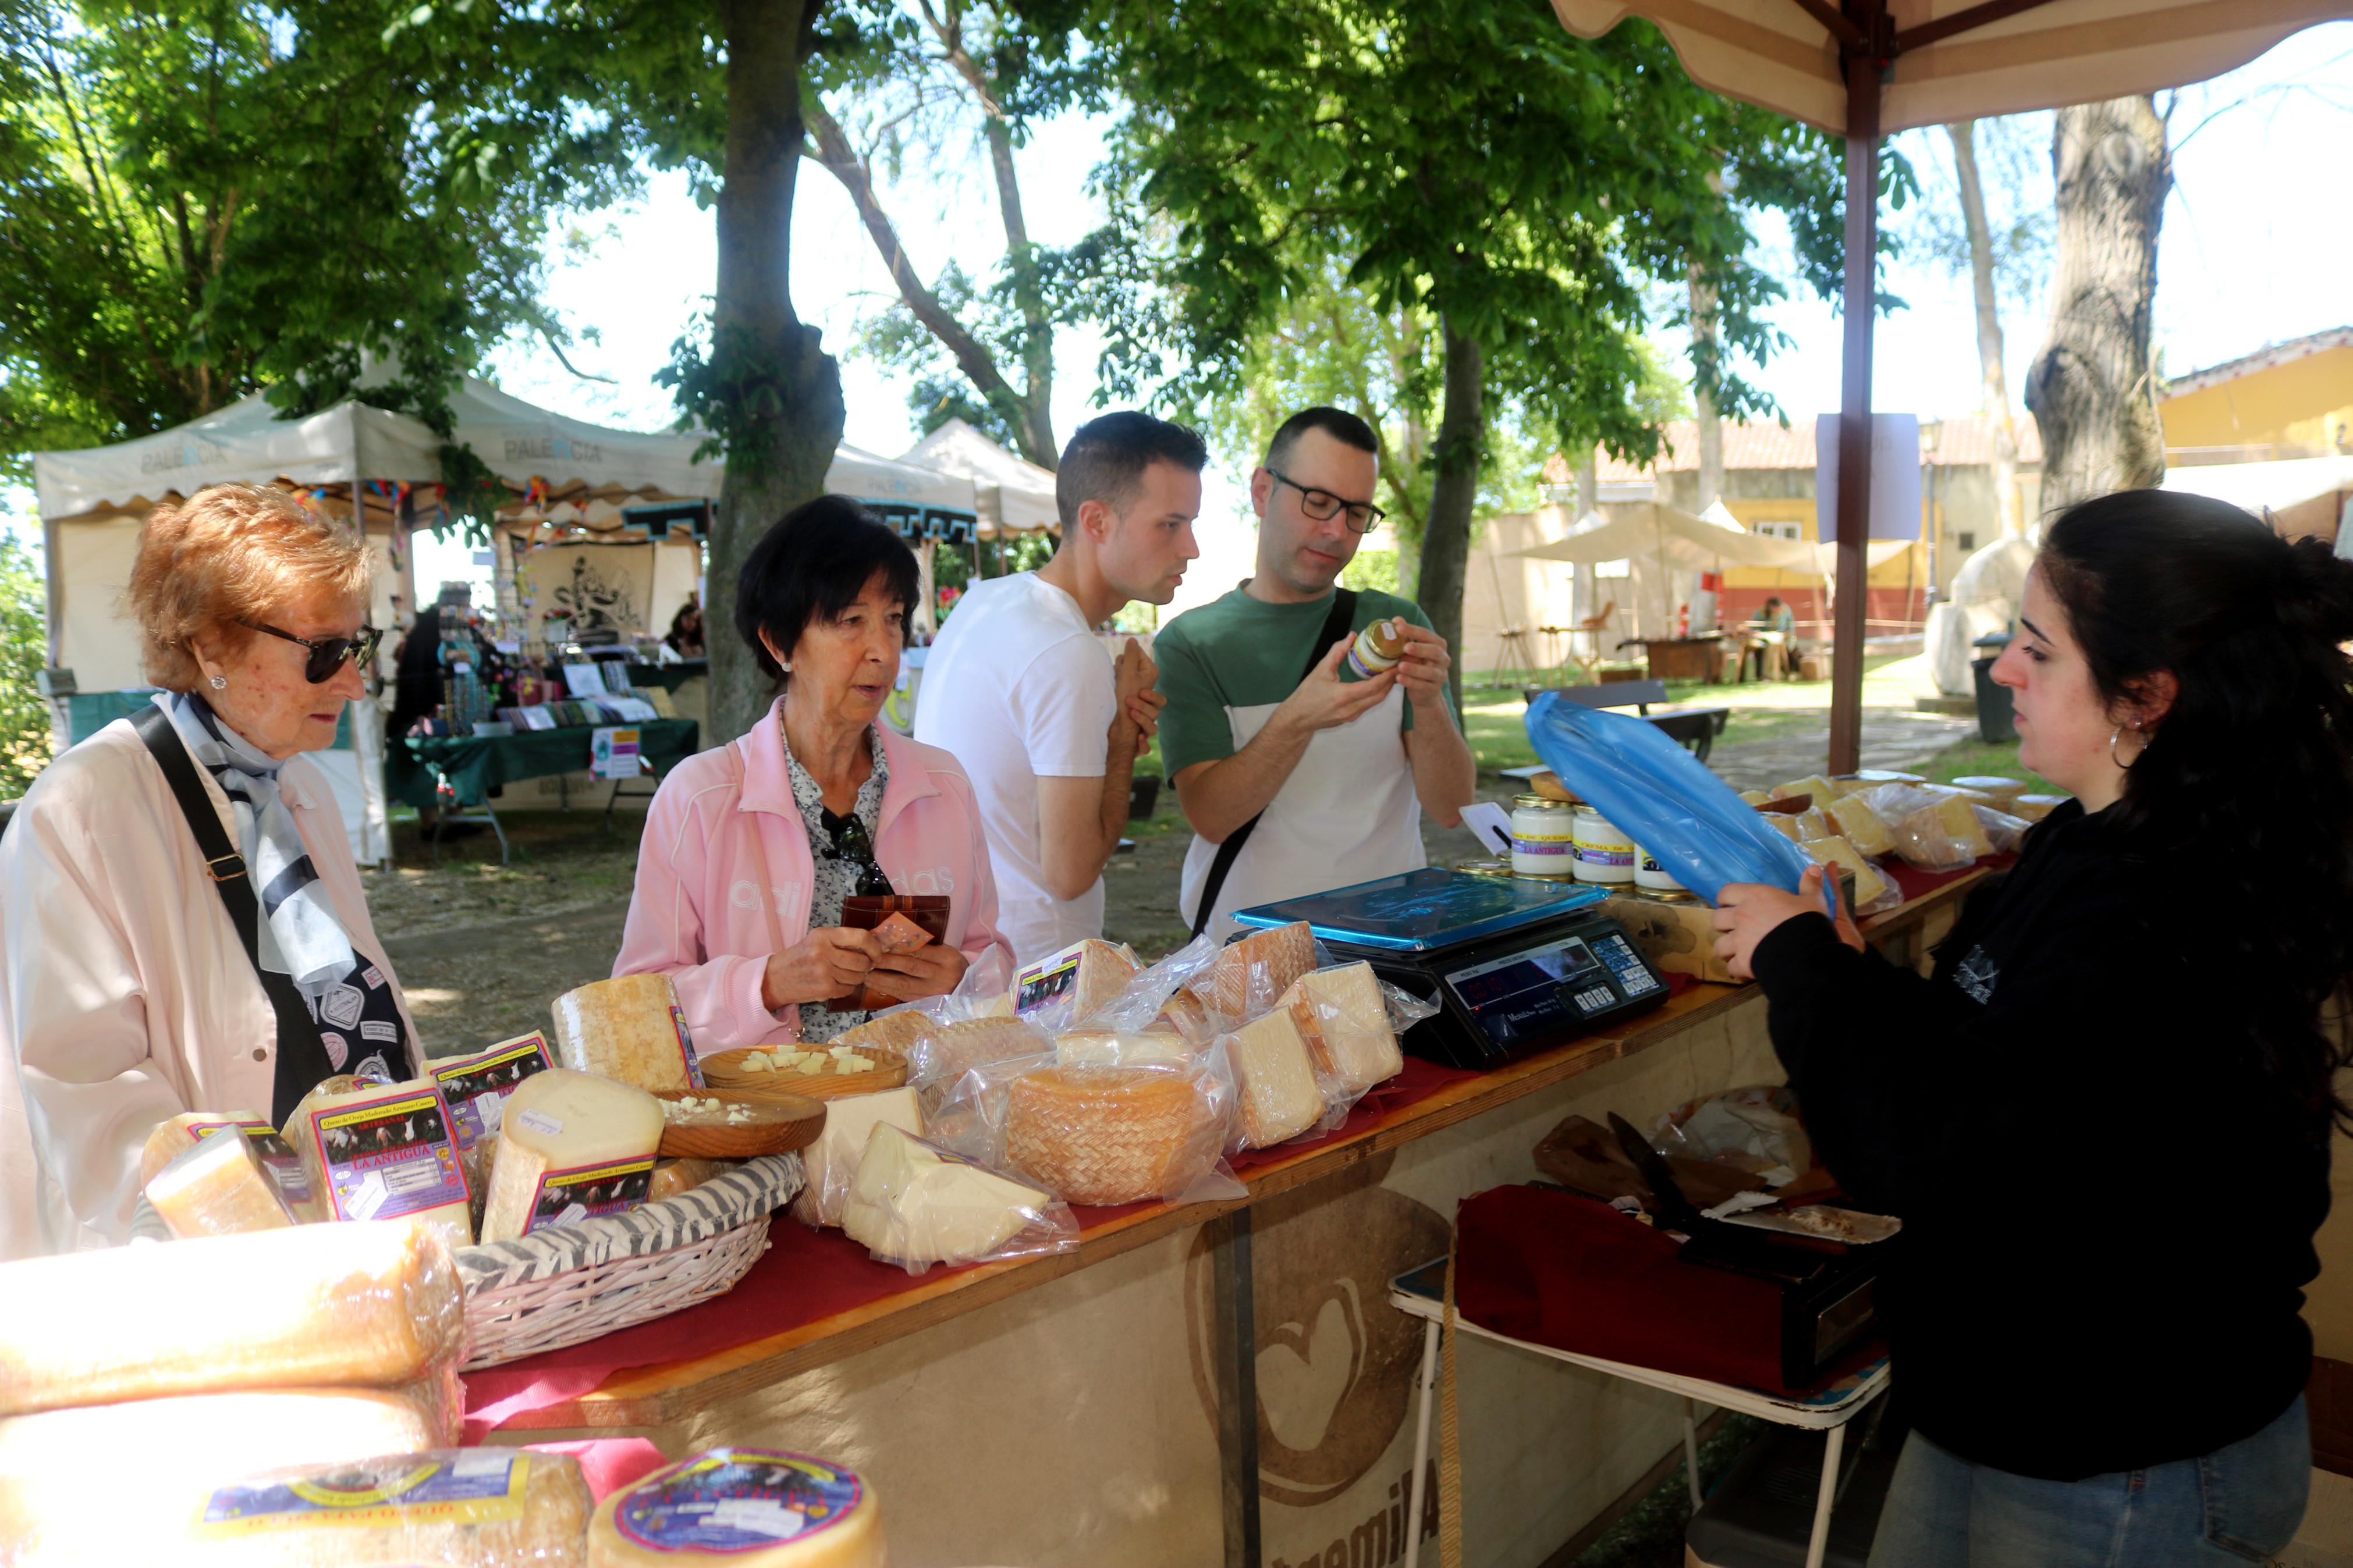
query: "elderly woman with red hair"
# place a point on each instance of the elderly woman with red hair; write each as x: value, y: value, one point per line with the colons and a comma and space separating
x: 182, y: 927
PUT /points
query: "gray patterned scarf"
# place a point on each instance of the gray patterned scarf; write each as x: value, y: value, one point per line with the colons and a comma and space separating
x: 301, y: 934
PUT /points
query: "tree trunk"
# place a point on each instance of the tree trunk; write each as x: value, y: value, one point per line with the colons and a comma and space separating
x: 1706, y: 369
x: 1996, y: 402
x: 1446, y: 536
x: 2092, y: 389
x: 786, y: 391
x: 1036, y: 426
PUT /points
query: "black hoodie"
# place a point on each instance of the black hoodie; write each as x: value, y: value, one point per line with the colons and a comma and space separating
x: 2107, y: 1212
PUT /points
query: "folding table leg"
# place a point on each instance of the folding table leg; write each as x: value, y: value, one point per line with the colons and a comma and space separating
x: 1691, y: 1452
x: 1819, y: 1544
x: 1425, y: 1398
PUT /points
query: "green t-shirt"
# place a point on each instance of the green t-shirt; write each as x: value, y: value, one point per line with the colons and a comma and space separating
x: 1240, y: 652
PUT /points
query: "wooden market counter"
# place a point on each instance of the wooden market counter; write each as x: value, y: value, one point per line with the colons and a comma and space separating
x: 768, y: 1330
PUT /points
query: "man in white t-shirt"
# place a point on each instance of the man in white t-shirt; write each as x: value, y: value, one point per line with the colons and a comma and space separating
x: 1022, y: 691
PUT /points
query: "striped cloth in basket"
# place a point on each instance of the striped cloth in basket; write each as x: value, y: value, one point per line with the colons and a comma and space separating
x: 748, y: 1193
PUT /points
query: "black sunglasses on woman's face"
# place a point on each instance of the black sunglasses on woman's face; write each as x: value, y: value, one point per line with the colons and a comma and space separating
x: 327, y: 654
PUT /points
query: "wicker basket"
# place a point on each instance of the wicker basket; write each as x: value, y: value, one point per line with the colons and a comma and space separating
x: 573, y: 1283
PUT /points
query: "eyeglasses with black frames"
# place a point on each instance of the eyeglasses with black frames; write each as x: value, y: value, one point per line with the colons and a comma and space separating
x: 1323, y: 506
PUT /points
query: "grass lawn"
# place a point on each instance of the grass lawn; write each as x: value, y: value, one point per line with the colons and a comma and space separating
x: 1976, y: 757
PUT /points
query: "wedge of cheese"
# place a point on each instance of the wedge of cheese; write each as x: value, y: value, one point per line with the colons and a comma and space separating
x: 477, y: 1085
x: 455, y: 1507
x: 108, y: 1484
x: 217, y: 1187
x: 948, y: 1051
x: 1868, y: 881
x: 1162, y: 1044
x: 629, y: 1028
x: 1251, y: 974
x: 746, y: 1508
x: 895, y: 1032
x: 1943, y: 836
x: 571, y: 1147
x: 1083, y: 978
x: 1862, y: 826
x: 1345, y: 1020
x: 1276, y: 1074
x: 383, y: 1150
x: 916, y: 1203
x: 1754, y: 796
x: 1821, y: 789
x: 1111, y: 1135
x: 173, y: 1138
x: 672, y: 1177
x: 830, y: 1165
x: 315, y: 1306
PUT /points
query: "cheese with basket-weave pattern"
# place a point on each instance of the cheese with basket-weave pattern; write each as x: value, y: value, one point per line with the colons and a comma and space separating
x: 1249, y: 975
x: 1105, y: 1135
x: 629, y: 1028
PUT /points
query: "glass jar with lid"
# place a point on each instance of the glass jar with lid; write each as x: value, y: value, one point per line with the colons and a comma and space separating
x: 1544, y: 841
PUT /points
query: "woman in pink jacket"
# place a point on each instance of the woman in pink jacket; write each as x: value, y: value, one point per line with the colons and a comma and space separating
x: 750, y: 847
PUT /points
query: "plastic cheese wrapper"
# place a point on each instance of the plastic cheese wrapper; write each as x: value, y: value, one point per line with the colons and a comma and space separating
x: 1113, y: 1135
x: 1859, y: 825
x: 830, y: 1165
x: 914, y: 1204
x: 173, y: 1138
x: 217, y: 1187
x: 1066, y: 987
x: 1250, y: 974
x: 315, y: 1306
x: 1351, y: 1020
x: 1662, y: 797
x: 1934, y: 828
x: 477, y: 1086
x: 383, y: 1150
x: 747, y: 1508
x: 108, y: 1484
x: 1872, y: 891
x: 455, y: 1507
x: 1277, y: 1096
x: 629, y: 1028
x: 571, y: 1147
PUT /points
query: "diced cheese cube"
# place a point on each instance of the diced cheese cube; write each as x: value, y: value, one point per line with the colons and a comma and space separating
x: 750, y: 1507
x: 382, y: 1151
x: 1279, y: 1098
x: 217, y: 1187
x: 629, y: 1028
x: 913, y: 1203
x: 573, y: 1147
x: 831, y: 1164
x: 1346, y: 1022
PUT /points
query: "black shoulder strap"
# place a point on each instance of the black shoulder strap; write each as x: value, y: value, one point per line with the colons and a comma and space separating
x: 299, y: 1046
x: 1335, y: 626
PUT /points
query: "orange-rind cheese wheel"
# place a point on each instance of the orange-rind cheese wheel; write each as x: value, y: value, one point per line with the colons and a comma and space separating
x: 1105, y: 1135
x: 1250, y: 975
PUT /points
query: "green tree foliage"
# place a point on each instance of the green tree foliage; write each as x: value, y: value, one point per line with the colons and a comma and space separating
x: 26, y: 743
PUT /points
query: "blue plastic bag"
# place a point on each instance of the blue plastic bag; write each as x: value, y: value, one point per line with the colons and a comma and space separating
x: 1663, y: 799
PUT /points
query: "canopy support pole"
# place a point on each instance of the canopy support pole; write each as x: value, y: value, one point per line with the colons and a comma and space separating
x: 1851, y: 602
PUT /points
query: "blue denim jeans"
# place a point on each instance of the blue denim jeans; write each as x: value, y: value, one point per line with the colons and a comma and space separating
x: 2236, y: 1505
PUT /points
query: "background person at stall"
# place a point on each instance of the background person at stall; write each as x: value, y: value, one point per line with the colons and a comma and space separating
x: 127, y: 996
x: 2104, y: 1119
x: 1342, y: 768
x: 750, y: 849
x: 1020, y: 689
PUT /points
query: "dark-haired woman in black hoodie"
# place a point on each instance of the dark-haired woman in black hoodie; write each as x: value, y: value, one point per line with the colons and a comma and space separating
x: 2104, y: 1119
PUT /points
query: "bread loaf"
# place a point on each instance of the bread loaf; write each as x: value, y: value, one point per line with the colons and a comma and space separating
x: 1111, y: 1135
x: 171, y: 1139
x: 315, y: 1306
x: 383, y: 1150
x: 916, y: 1203
x: 1276, y: 1078
x: 1345, y: 1020
x: 1252, y: 972
x: 571, y: 1147
x: 1084, y: 976
x: 455, y: 1507
x: 217, y: 1187
x: 745, y: 1508
x: 629, y: 1028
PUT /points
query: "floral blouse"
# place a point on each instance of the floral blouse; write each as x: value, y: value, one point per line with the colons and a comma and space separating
x: 836, y: 878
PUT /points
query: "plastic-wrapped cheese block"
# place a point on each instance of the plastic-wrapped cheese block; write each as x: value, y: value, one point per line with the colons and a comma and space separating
x: 217, y: 1187
x: 1109, y: 1135
x: 117, y: 1484
x: 477, y: 1086
x: 916, y: 1203
x: 1942, y: 837
x: 454, y: 1508
x: 1821, y: 789
x: 629, y: 1028
x: 947, y: 1051
x: 672, y: 1177
x: 751, y: 1508
x: 316, y: 1306
x: 1163, y: 1045
x: 572, y: 1146
x: 171, y: 1138
x: 1346, y: 1022
x: 383, y: 1150
x: 831, y: 1164
x: 895, y: 1031
x: 1869, y: 884
x: 1278, y: 1098
x: 1862, y: 826
x: 1250, y: 977
x: 1084, y: 976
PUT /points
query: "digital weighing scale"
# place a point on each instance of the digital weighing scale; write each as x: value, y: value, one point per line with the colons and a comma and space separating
x: 1515, y: 966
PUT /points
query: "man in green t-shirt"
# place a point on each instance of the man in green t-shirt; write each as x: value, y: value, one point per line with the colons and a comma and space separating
x: 1341, y: 767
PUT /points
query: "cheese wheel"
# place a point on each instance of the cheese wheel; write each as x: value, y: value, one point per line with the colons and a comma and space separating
x: 1086, y: 975
x: 455, y: 1507
x: 916, y: 1203
x: 749, y: 1508
x: 316, y: 1306
x: 629, y: 1028
x: 1162, y: 1044
x: 672, y: 1177
x: 831, y: 1164
x: 2035, y: 807
x: 111, y: 1484
x: 1110, y: 1135
x: 383, y: 1150
x: 948, y: 1051
x: 217, y: 1187
x: 1862, y: 826
x: 171, y: 1138
x: 572, y: 1146
x: 1250, y: 977
x: 1868, y: 882
x: 1278, y: 1098
x: 895, y: 1032
x: 1345, y: 1020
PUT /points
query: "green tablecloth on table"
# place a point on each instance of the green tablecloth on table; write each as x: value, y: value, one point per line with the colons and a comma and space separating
x: 476, y: 765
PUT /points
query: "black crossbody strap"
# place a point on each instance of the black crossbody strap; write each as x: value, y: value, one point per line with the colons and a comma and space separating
x: 298, y: 1031
x: 1335, y: 626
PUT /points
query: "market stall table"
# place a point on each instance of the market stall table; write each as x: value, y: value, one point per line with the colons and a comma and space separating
x: 416, y: 767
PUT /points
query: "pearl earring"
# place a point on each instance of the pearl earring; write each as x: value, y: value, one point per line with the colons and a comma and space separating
x: 220, y: 683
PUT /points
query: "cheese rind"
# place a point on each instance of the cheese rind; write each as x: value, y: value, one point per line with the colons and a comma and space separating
x: 1345, y: 1020
x: 465, y: 1507
x: 629, y: 1028
x: 1249, y: 975
x: 752, y: 1508
x: 217, y: 1187
x: 672, y: 1177
x: 895, y: 1032
x: 1276, y: 1076
x: 1869, y: 884
x: 315, y: 1306
x: 572, y: 1146
x: 830, y: 1165
x: 1862, y: 826
x: 916, y: 1203
x: 1084, y: 976
x: 383, y: 1150
x: 1112, y: 1135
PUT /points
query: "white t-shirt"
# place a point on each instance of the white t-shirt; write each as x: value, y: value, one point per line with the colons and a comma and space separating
x: 1018, y: 687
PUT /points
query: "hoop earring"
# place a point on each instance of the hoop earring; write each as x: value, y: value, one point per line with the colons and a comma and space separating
x: 220, y: 683
x: 2123, y: 766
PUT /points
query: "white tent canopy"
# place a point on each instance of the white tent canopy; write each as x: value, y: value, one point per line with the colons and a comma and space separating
x: 1010, y: 492
x: 2257, y: 486
x: 1679, y: 541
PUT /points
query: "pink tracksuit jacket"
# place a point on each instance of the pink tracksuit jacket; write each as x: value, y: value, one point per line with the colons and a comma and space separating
x: 724, y: 875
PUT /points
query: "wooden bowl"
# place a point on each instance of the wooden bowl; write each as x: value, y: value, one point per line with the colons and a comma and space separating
x: 724, y: 1070
x: 776, y: 1125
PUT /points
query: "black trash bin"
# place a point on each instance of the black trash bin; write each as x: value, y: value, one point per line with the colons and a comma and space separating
x: 1994, y: 724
